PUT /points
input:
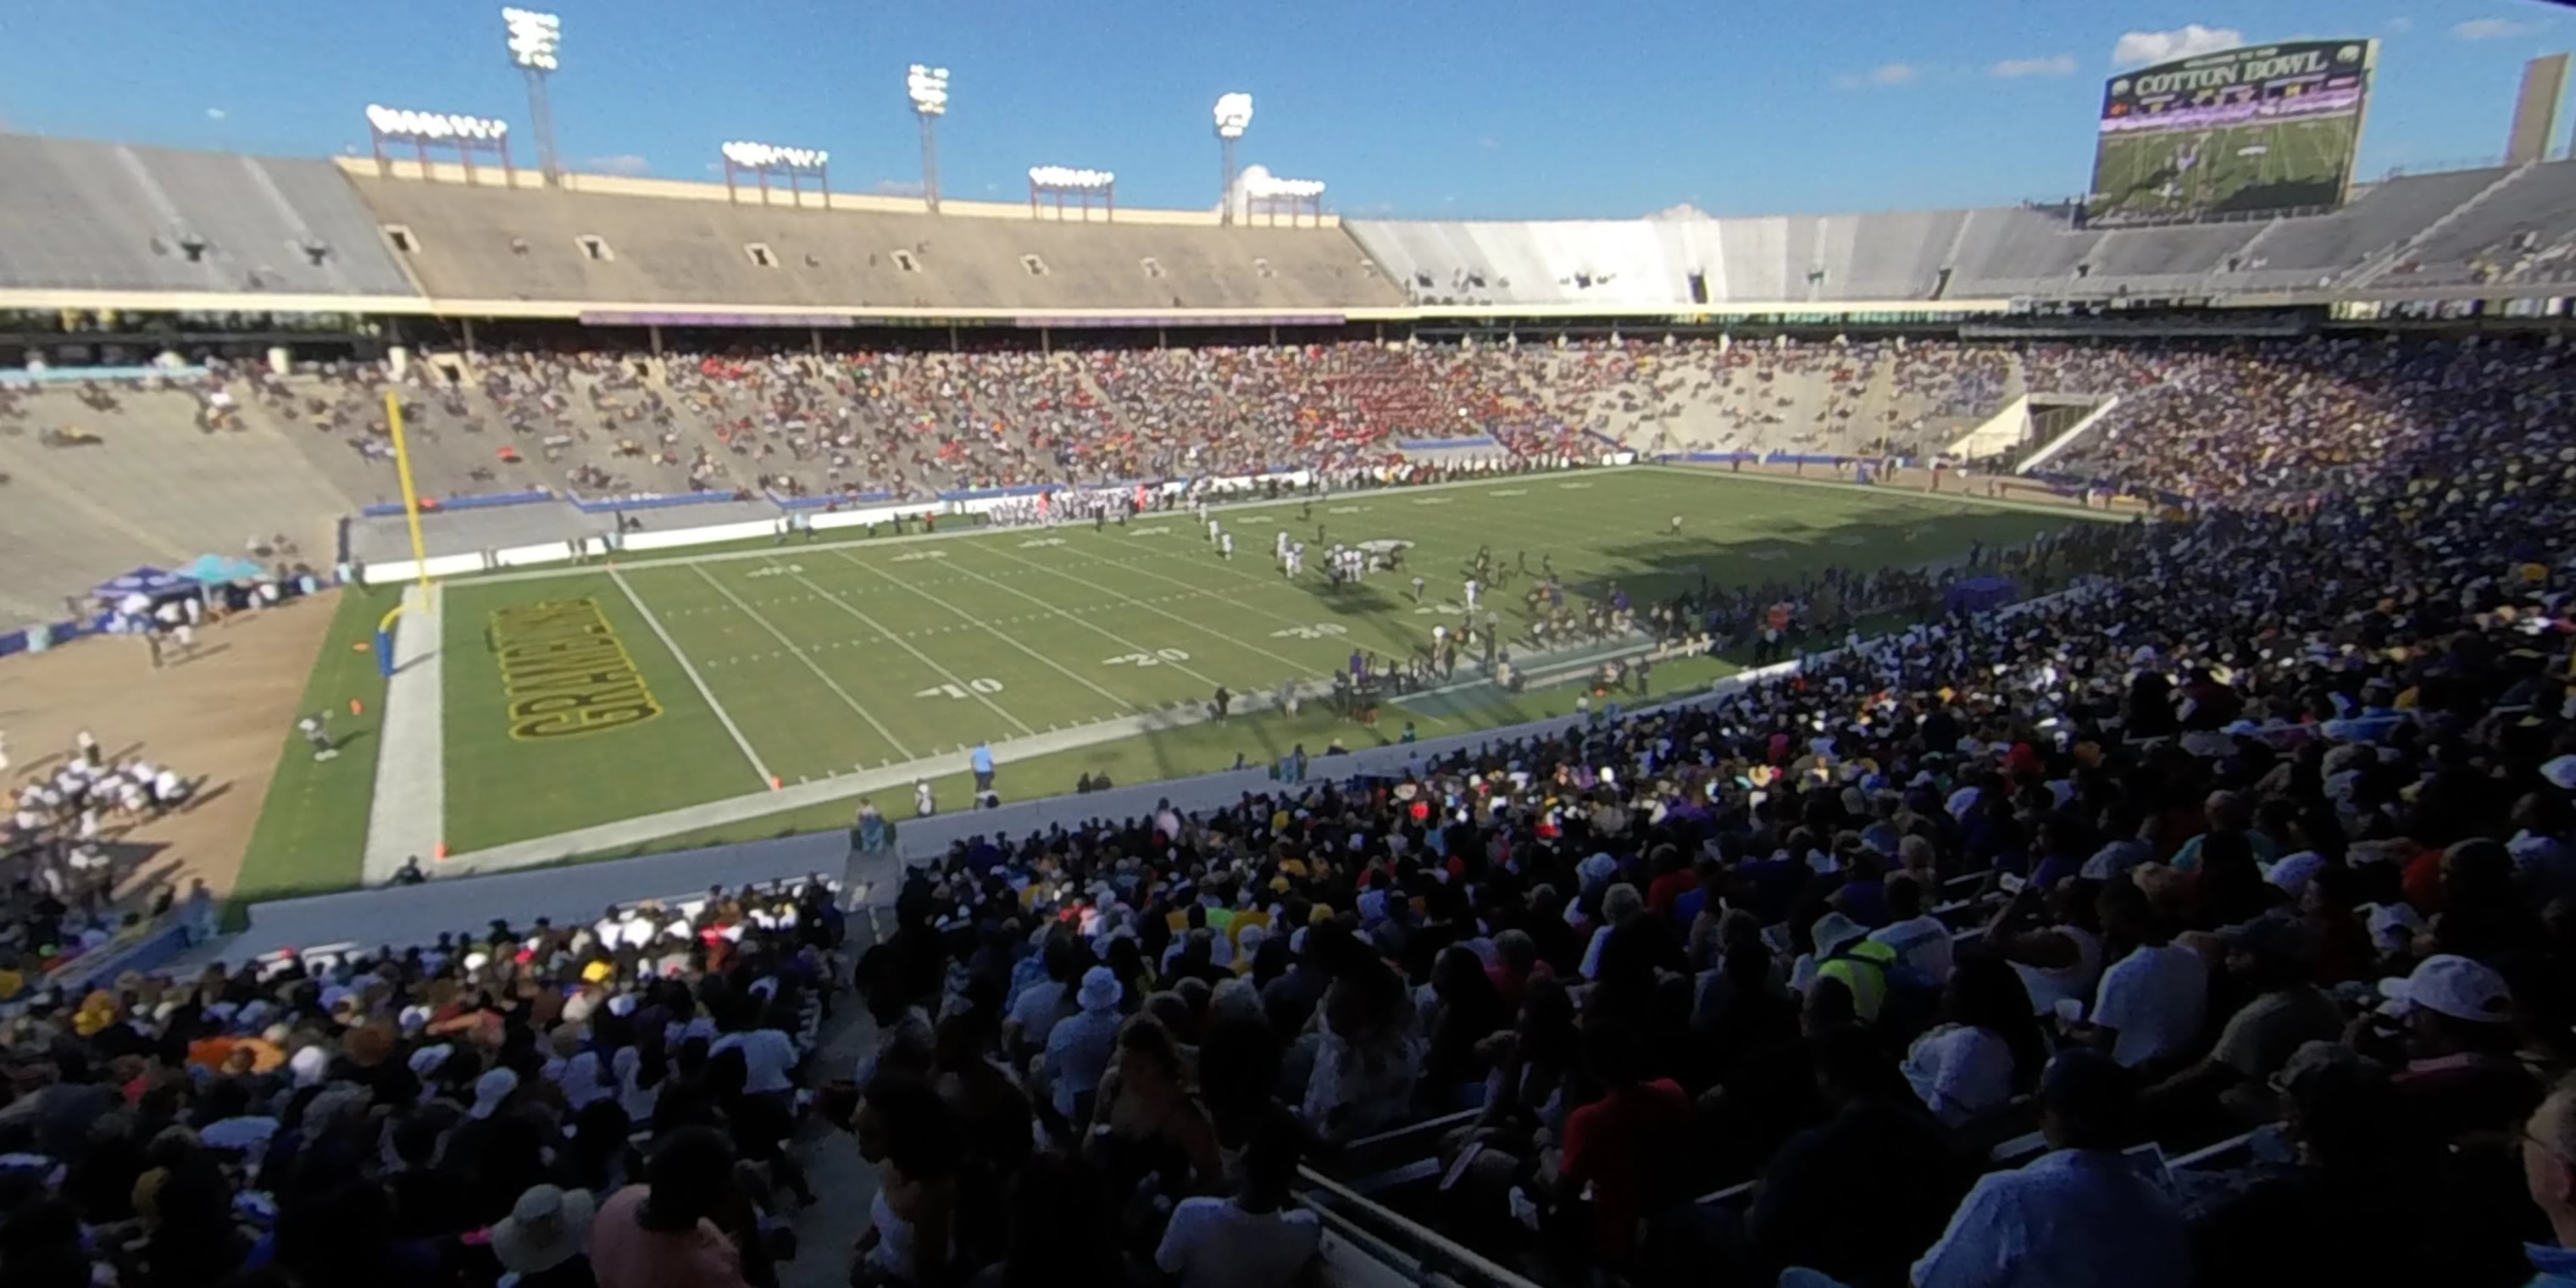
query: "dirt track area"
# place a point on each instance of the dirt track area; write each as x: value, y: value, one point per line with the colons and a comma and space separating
x: 218, y: 718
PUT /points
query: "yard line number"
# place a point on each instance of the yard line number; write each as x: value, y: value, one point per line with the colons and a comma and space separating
x: 979, y: 684
x: 775, y: 570
x: 1318, y: 631
x: 919, y: 555
x: 1156, y: 658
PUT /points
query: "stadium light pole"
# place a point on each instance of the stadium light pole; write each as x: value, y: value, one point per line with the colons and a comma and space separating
x: 1233, y: 116
x: 535, y: 41
x: 928, y: 88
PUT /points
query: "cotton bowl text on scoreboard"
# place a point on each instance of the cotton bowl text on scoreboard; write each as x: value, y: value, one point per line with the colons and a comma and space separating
x: 2265, y: 127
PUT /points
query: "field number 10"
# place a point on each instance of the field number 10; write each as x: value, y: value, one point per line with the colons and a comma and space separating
x: 969, y: 689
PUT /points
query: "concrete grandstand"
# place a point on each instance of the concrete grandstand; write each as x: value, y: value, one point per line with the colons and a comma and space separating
x: 180, y: 224
x: 647, y: 402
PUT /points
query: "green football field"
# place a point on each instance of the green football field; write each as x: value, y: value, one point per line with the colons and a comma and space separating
x: 2269, y: 165
x: 803, y: 662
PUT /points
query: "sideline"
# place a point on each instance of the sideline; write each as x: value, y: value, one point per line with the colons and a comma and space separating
x: 407, y: 816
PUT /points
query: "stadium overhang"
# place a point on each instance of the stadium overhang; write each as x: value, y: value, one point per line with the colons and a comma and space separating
x: 725, y: 313
x: 91, y: 298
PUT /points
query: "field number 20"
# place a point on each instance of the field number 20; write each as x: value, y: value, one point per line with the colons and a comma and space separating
x: 967, y: 690
x: 1155, y: 658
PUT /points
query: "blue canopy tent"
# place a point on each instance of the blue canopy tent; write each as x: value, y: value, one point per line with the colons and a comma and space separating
x: 1978, y: 594
x: 216, y: 569
x: 148, y: 581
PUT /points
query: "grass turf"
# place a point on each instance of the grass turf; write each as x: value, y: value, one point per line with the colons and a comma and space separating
x: 312, y: 826
x: 832, y: 658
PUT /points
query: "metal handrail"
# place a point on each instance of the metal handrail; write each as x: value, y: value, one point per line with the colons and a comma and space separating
x: 1441, y: 1123
x: 1451, y: 1249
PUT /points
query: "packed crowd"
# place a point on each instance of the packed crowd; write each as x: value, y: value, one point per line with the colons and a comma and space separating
x: 2292, y: 418
x: 470, y: 1111
x: 2262, y: 835
x: 2258, y: 838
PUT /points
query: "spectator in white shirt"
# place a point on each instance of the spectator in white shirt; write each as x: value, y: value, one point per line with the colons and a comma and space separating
x: 1987, y: 1047
x: 1253, y: 1240
x: 1034, y: 1012
x: 2153, y: 998
x: 1918, y: 937
x: 768, y: 1055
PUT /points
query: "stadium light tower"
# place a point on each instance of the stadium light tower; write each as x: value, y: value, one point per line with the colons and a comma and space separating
x: 762, y: 160
x: 1062, y: 181
x: 928, y: 88
x: 1233, y: 116
x: 535, y: 41
x: 442, y: 130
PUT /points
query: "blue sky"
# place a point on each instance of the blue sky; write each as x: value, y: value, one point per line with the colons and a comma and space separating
x: 1407, y: 108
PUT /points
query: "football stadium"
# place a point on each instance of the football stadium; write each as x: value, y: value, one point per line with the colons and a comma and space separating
x: 568, y: 727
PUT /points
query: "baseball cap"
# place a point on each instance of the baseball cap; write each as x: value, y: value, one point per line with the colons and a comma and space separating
x: 2293, y: 872
x: 2560, y: 771
x: 2448, y: 984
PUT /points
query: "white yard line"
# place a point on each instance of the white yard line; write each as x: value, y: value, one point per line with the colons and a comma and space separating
x: 1102, y: 631
x: 1298, y: 669
x: 819, y: 674
x: 408, y: 818
x: 925, y: 659
x: 987, y: 628
x: 1226, y: 565
x: 672, y: 647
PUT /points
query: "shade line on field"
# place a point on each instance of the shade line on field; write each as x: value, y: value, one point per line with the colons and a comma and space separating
x: 1956, y: 500
x: 819, y: 673
x: 1105, y: 633
x: 925, y: 659
x: 987, y: 628
x: 1298, y: 668
x: 672, y: 647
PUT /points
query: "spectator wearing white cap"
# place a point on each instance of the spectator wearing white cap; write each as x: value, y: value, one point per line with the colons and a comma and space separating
x: 2452, y: 1020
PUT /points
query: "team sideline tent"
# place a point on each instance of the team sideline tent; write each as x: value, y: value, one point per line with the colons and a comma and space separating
x: 146, y: 580
x: 217, y: 569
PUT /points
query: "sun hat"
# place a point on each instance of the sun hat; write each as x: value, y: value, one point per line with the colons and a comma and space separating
x: 1100, y: 989
x: 546, y: 1228
x: 1834, y: 932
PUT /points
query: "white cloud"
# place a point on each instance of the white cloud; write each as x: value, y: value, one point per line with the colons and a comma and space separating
x: 216, y: 114
x: 2016, y: 68
x: 2400, y: 25
x: 2191, y: 40
x: 2492, y: 29
x: 1885, y: 75
x: 625, y: 163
